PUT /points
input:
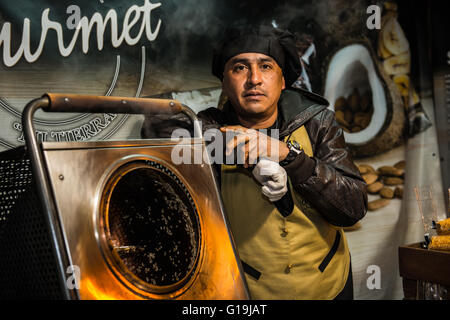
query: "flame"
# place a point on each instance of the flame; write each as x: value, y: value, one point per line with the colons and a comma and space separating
x: 91, y: 291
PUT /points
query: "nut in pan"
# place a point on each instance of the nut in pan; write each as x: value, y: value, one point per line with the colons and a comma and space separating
x: 366, y: 168
x: 361, y: 119
x: 370, y: 178
x: 400, y: 165
x: 340, y: 118
x: 399, y: 64
x: 392, y: 181
x: 377, y: 204
x: 340, y: 104
x: 390, y: 171
x: 348, y: 116
x: 387, y: 193
x: 375, y: 187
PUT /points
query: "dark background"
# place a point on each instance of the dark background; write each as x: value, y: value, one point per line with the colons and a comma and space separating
x: 190, y: 28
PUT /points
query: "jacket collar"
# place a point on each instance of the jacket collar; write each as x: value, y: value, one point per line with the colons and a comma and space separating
x: 297, y: 106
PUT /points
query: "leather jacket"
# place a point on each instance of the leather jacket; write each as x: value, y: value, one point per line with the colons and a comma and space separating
x: 329, y: 180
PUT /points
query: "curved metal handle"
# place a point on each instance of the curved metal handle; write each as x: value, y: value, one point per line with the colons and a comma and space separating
x: 60, y: 102
x: 44, y: 192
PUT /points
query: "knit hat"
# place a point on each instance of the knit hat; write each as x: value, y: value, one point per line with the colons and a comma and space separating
x: 276, y: 43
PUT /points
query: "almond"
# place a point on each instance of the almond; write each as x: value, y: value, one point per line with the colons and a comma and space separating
x: 387, y: 193
x: 375, y: 187
x: 365, y: 168
x: 390, y: 171
x: 370, y: 178
x: 377, y: 204
x: 392, y: 181
x: 340, y: 104
x: 400, y: 165
x: 348, y: 116
x: 339, y: 115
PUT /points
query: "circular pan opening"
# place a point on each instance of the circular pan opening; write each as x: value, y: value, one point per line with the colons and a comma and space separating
x: 151, y: 226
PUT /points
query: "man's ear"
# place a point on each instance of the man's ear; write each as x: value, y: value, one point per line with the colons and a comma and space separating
x: 284, y: 83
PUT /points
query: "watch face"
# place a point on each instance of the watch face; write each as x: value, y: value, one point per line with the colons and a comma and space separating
x: 294, y: 145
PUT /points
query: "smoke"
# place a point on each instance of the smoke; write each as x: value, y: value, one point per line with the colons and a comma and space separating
x: 189, y: 29
x: 188, y: 32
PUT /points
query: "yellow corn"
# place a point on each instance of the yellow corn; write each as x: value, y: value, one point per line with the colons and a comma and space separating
x: 440, y: 243
x: 443, y: 227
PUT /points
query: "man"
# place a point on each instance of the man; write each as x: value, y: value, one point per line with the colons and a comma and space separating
x: 298, y: 250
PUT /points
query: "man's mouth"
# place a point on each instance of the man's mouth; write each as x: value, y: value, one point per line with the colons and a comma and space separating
x: 255, y: 94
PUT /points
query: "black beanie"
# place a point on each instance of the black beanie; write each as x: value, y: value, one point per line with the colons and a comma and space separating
x: 276, y: 43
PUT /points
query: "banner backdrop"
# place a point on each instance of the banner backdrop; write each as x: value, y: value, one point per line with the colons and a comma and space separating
x: 356, y: 54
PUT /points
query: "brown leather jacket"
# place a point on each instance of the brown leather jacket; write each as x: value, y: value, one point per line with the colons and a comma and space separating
x: 329, y: 181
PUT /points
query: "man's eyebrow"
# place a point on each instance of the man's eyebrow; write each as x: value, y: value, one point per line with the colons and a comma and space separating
x: 246, y: 61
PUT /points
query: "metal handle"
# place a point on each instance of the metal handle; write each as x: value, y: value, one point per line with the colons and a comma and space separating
x: 59, y: 102
x: 45, y: 196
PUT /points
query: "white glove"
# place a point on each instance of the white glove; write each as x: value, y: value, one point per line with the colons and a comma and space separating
x: 273, y: 177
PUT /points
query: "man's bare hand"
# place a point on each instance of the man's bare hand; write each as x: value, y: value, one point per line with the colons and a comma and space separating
x: 253, y: 145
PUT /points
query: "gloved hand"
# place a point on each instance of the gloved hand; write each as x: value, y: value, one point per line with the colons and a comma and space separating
x: 273, y: 177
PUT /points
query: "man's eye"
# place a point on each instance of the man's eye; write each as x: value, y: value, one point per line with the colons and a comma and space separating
x: 238, y: 68
x: 266, y: 66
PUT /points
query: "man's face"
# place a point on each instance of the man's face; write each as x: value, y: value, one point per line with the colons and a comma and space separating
x: 253, y: 84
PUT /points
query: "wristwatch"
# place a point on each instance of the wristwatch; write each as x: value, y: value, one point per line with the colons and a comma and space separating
x: 294, y: 150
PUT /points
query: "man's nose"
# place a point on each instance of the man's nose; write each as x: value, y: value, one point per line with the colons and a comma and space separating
x: 254, y: 76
